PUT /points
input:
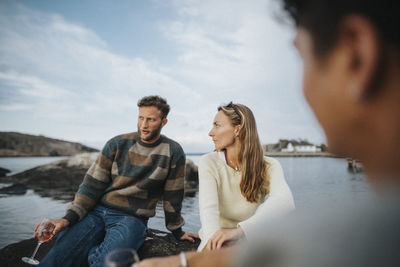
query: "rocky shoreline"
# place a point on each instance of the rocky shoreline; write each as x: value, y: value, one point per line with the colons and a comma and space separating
x: 157, y: 244
x: 4, y: 171
x: 61, y: 179
x: 13, y: 144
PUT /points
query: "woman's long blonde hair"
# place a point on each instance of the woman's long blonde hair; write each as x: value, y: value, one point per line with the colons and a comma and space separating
x: 255, y: 181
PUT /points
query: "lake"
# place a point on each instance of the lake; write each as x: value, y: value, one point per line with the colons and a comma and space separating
x: 311, y: 179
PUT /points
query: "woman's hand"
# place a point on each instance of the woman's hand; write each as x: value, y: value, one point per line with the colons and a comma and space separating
x: 189, y: 236
x: 172, y: 261
x: 224, y: 235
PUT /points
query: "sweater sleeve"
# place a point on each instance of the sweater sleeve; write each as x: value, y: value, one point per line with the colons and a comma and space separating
x: 279, y: 202
x: 96, y: 180
x: 174, y: 193
x: 208, y: 199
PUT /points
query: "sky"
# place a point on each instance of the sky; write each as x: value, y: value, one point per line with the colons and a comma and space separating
x: 75, y: 70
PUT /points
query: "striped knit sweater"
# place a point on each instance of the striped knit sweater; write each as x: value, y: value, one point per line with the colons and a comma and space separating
x: 133, y: 176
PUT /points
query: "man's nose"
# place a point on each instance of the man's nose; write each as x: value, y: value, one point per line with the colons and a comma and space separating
x: 211, y: 133
x: 144, y: 124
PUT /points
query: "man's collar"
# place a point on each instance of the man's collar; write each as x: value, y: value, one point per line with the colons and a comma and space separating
x: 156, y: 143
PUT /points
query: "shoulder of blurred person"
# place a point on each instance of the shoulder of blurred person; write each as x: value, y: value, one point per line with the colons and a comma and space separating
x: 341, y: 234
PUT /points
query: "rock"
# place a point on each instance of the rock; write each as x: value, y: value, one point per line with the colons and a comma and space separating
x: 157, y: 243
x: 191, y: 178
x: 11, y: 255
x: 4, y: 171
x: 192, y: 171
x: 14, y: 144
x: 56, y: 182
x: 14, y: 189
x: 61, y: 179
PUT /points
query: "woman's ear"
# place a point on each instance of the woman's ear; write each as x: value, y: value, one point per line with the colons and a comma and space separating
x: 362, y: 39
x: 236, y: 131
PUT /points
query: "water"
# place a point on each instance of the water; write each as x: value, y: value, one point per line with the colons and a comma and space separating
x: 319, y: 179
x: 19, y: 164
x: 311, y: 180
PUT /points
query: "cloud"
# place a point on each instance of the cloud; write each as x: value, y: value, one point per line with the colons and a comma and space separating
x: 32, y: 86
x: 15, y: 107
x: 74, y: 86
x: 234, y: 50
x: 70, y: 74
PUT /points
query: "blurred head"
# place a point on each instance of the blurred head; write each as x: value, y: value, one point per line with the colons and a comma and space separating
x: 326, y: 20
x: 350, y: 54
x: 153, y: 111
x: 235, y: 123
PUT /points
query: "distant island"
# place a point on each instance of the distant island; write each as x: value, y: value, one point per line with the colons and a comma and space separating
x: 13, y: 144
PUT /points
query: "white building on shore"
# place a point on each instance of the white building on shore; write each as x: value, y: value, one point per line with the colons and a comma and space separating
x: 301, y: 148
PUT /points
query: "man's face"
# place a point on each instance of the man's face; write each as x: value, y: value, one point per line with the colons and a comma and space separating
x: 324, y: 86
x: 150, y: 123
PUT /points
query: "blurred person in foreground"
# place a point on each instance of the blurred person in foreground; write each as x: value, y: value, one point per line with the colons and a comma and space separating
x: 351, y: 58
x: 239, y: 186
x: 120, y: 191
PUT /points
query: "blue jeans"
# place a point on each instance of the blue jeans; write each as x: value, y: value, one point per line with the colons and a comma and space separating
x: 101, y: 231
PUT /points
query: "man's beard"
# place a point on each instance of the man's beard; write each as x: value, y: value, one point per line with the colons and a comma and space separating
x: 153, y: 134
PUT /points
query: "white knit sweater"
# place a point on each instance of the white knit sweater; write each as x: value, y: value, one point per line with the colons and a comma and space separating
x: 222, y: 206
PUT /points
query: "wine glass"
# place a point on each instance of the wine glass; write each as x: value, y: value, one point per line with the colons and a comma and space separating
x: 45, y: 233
x: 122, y: 257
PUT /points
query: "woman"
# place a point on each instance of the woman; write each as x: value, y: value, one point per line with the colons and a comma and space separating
x: 238, y: 185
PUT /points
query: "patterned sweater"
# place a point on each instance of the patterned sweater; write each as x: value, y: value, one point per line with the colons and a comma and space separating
x: 133, y: 176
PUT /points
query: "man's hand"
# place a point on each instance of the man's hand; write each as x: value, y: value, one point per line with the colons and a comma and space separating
x: 57, y: 225
x: 217, y: 258
x: 189, y: 236
x: 222, y: 236
x: 172, y: 261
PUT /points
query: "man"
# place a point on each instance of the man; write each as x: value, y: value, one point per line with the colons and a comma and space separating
x: 351, y: 58
x: 120, y: 192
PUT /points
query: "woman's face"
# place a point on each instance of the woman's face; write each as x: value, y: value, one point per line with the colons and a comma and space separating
x: 324, y: 83
x: 222, y: 132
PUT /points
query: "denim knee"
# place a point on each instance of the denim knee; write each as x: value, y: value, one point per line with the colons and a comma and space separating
x: 122, y: 231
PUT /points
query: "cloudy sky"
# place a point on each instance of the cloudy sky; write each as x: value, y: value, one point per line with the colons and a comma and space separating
x: 74, y: 70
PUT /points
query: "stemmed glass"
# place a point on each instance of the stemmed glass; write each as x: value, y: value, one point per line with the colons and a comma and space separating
x: 44, y: 234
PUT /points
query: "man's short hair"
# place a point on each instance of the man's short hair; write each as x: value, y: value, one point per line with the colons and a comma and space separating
x: 155, y: 101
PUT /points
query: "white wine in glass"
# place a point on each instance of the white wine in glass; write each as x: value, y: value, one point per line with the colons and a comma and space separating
x: 45, y: 233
